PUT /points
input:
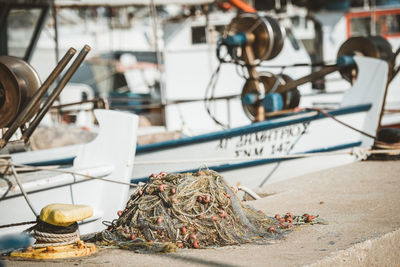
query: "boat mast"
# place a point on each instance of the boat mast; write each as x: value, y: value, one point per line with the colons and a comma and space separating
x: 55, y: 28
x: 153, y: 13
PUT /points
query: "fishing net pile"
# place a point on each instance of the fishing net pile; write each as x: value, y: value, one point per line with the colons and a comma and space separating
x: 193, y: 210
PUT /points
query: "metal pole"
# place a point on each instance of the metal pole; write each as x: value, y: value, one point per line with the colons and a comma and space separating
x: 373, y: 18
x: 36, y: 34
x: 383, y: 107
x: 56, y: 92
x: 308, y: 78
x: 228, y: 103
x: 35, y: 101
x: 366, y: 4
x: 210, y: 42
x: 55, y: 26
x: 4, y: 11
x: 254, y: 78
x: 153, y: 12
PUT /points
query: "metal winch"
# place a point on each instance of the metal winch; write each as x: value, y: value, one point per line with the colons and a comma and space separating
x: 22, y: 101
x: 18, y: 83
x: 250, y: 39
x: 370, y: 46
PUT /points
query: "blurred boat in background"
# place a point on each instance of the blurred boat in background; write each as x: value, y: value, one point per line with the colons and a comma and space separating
x: 156, y: 60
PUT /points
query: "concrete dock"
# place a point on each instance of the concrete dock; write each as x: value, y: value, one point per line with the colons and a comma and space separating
x: 361, y: 203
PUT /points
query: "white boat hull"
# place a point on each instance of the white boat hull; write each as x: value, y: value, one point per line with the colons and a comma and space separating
x: 109, y: 156
x: 256, y: 157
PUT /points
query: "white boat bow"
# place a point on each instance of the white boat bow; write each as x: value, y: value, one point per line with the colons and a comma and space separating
x: 109, y: 156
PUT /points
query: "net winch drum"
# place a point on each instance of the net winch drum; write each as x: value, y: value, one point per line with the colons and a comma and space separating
x: 264, y: 35
x: 251, y: 39
x: 18, y: 83
x: 371, y: 46
x: 291, y: 98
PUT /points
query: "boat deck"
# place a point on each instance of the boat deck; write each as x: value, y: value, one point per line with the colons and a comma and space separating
x: 360, y: 201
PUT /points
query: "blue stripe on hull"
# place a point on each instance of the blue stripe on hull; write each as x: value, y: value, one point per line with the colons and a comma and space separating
x: 65, y: 161
x: 229, y: 167
x: 260, y: 126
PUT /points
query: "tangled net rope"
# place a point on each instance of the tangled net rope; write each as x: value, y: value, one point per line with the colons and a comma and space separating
x: 193, y: 210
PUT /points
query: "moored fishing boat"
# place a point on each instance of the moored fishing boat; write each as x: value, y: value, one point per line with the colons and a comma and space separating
x: 270, y: 150
x: 266, y: 151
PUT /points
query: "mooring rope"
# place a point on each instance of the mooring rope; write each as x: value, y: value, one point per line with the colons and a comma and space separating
x: 17, y: 224
x: 52, y: 235
x: 23, y: 191
x: 378, y: 143
x: 44, y: 239
x: 326, y: 114
x: 66, y: 171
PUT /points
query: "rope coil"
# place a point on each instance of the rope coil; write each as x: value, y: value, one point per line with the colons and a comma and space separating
x: 44, y: 239
x: 51, y: 235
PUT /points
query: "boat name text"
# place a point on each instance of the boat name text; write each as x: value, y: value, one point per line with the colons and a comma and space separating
x: 263, y: 143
